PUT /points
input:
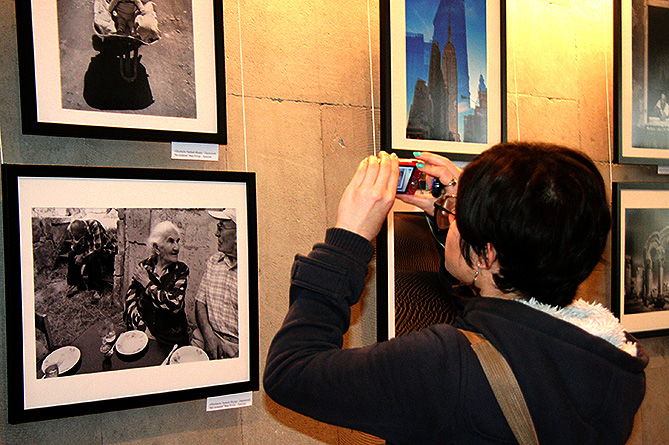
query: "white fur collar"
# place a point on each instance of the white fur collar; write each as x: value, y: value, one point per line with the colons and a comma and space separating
x: 592, y: 318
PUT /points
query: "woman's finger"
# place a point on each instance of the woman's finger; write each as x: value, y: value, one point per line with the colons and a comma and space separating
x: 360, y: 172
x: 385, y: 170
x: 394, y: 172
x: 372, y: 171
x: 434, y: 160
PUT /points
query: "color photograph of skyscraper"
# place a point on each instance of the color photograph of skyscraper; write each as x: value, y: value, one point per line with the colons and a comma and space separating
x: 446, y: 69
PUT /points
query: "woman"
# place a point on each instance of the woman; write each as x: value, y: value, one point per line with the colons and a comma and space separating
x: 155, y: 299
x: 526, y: 224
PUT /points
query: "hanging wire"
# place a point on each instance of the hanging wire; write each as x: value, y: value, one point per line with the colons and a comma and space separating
x: 371, y: 76
x: 515, y: 83
x: 608, y: 100
x: 241, y: 70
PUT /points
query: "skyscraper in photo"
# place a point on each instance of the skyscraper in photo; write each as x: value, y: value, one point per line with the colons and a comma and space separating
x: 449, y: 68
x: 450, y: 19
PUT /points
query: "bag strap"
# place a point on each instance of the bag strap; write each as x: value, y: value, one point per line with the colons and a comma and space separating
x: 505, y: 386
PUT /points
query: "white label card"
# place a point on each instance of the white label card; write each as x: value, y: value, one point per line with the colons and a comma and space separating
x: 230, y: 401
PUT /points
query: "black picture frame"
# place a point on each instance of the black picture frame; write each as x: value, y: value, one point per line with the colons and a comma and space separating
x: 640, y: 297
x: 31, y: 196
x: 170, y: 90
x: 485, y: 117
x: 642, y: 132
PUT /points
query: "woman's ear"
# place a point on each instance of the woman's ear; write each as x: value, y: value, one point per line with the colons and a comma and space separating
x: 489, y: 258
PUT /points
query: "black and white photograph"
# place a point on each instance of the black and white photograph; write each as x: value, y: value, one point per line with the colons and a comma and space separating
x: 642, y: 248
x: 442, y: 78
x: 155, y: 68
x: 643, y: 81
x: 124, y: 292
x: 411, y: 291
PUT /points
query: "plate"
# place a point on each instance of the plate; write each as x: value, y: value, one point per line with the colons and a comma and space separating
x: 187, y: 354
x: 66, y: 358
x: 131, y: 342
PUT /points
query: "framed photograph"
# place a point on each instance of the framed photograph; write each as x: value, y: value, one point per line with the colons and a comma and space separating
x: 443, y: 75
x: 641, y: 245
x: 411, y: 295
x: 132, y: 287
x: 642, y: 84
x: 133, y: 70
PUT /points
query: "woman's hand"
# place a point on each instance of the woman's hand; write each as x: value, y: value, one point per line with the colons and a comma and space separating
x: 141, y: 275
x: 369, y: 196
x: 438, y: 167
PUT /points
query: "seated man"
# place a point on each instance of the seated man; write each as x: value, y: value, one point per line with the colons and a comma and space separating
x: 91, y: 247
x: 216, y: 309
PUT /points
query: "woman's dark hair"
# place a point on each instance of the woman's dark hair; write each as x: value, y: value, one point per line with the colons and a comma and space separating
x: 543, y: 208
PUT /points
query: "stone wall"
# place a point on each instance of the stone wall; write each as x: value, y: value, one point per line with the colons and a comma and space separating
x: 49, y: 235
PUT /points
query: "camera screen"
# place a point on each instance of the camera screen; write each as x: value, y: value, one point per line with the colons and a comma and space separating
x: 405, y: 176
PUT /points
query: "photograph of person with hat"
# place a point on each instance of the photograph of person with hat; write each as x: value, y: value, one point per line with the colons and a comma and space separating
x: 216, y: 301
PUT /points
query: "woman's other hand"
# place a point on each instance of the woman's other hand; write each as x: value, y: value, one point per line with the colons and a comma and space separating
x: 438, y: 167
x: 369, y: 196
x: 141, y: 275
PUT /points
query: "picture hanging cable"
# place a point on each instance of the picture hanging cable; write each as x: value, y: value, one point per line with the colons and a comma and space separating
x: 515, y: 86
x: 608, y: 99
x: 371, y: 77
x: 241, y: 70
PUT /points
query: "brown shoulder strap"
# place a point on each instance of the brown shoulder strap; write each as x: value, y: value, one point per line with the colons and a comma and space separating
x: 506, y: 389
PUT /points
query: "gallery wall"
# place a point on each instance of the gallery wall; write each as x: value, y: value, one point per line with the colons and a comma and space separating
x: 302, y: 108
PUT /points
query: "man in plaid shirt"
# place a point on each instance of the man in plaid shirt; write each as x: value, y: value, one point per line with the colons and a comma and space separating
x: 216, y: 308
x: 91, y: 245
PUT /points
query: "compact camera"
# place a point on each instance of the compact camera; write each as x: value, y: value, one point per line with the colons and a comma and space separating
x: 410, y: 177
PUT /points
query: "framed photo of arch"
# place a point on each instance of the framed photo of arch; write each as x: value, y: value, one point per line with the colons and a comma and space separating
x: 113, y: 274
x: 443, y: 75
x: 640, y: 295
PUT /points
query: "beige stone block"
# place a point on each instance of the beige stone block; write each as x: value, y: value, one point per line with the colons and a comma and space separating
x: 543, y: 119
x: 346, y: 141
x: 596, y: 288
x: 654, y: 413
x: 284, y: 150
x: 595, y: 80
x: 270, y: 423
x: 307, y: 51
x: 541, y: 49
x: 178, y: 423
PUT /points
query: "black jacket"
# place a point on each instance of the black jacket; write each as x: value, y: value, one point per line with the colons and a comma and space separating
x: 428, y: 386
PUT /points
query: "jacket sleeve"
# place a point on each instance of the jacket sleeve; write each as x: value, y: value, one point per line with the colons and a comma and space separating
x: 379, y: 389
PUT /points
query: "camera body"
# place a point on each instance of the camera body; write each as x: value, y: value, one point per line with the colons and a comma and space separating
x: 409, y: 177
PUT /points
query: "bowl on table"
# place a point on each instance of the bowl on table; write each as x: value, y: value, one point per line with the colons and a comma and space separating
x: 65, y: 359
x: 186, y: 354
x: 131, y: 343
